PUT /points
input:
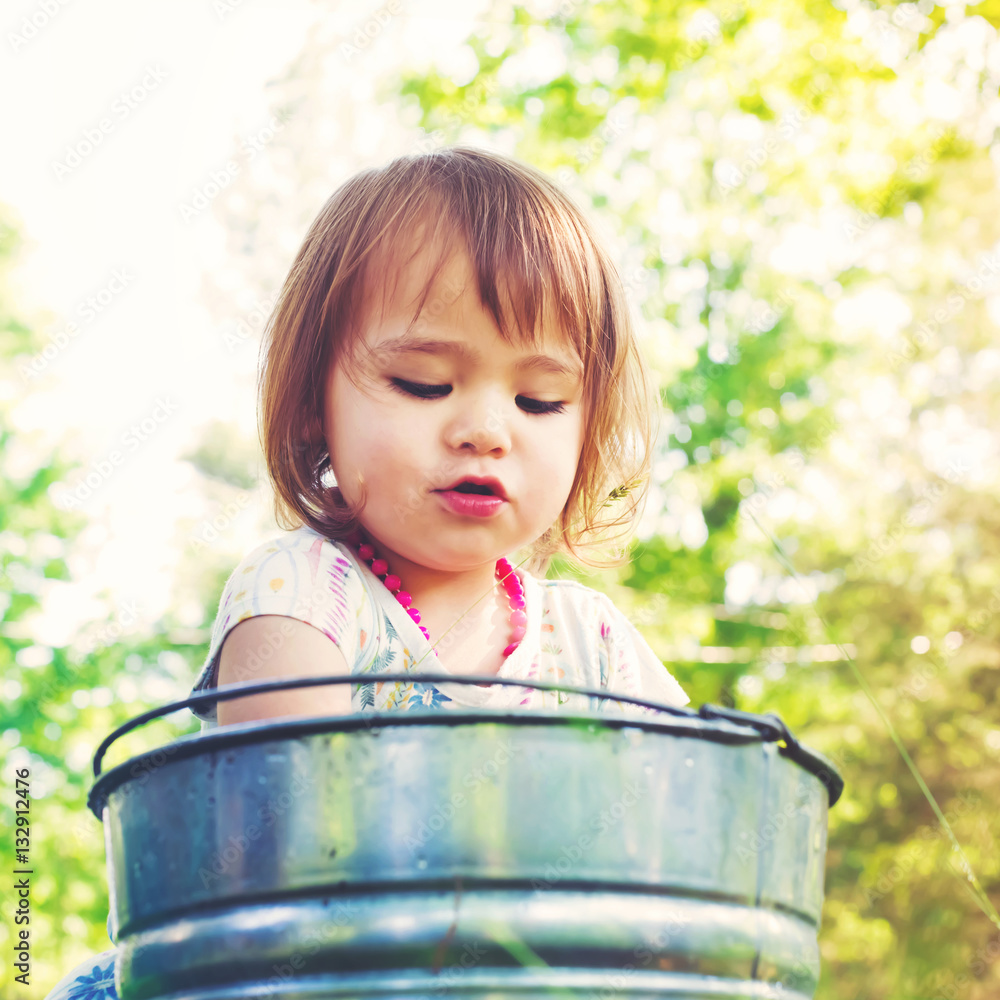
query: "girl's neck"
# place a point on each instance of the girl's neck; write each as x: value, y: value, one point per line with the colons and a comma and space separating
x: 438, y: 592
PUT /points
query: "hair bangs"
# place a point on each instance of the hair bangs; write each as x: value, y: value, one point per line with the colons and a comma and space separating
x: 534, y: 267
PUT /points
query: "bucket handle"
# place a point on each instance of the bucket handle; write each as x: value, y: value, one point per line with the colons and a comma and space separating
x: 770, y: 726
x: 773, y: 727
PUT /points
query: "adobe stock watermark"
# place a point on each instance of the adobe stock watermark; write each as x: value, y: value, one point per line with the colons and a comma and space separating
x: 572, y: 854
x: 143, y: 769
x: 586, y: 152
x: 927, y: 331
x: 367, y: 32
x: 209, y: 531
x: 267, y: 815
x: 929, y: 668
x: 87, y: 311
x: 251, y: 146
x: 762, y: 317
x: 122, y: 108
x: 102, y: 469
x: 787, y: 127
x: 704, y: 30
x: 566, y: 10
x: 761, y: 490
x: 888, y: 24
x: 246, y: 329
x: 106, y: 634
x: 458, y: 630
x: 655, y: 610
x: 675, y: 921
x: 311, y: 940
x: 982, y: 616
x: 446, y: 978
x: 463, y: 111
x: 253, y: 663
x: 450, y: 470
x: 753, y: 841
x: 444, y: 812
x: 914, y: 169
x: 31, y: 25
x: 890, y: 540
x: 223, y: 8
x: 636, y: 279
x: 123, y: 623
x: 907, y: 859
x: 918, y: 683
x: 975, y: 968
x: 316, y: 609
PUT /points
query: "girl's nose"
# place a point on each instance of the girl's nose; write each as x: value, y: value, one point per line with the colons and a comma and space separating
x: 479, y: 423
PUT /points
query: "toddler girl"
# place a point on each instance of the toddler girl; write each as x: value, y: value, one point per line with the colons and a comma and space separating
x: 452, y: 346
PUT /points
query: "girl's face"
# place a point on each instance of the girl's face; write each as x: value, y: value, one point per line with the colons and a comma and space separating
x: 449, y: 399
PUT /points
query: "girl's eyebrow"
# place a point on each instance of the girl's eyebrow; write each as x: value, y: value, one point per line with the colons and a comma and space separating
x: 389, y: 349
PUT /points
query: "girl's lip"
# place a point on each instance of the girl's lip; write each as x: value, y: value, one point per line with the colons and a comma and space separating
x: 495, y: 486
x: 472, y: 504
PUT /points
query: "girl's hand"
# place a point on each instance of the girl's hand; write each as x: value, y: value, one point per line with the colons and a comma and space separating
x: 294, y: 649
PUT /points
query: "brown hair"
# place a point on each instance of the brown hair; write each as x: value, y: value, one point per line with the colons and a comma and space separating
x: 531, y: 249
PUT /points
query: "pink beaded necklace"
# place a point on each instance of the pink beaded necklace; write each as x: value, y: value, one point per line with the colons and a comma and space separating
x: 504, y: 573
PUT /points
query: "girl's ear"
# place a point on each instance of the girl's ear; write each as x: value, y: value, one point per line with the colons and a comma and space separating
x: 313, y: 429
x: 312, y: 433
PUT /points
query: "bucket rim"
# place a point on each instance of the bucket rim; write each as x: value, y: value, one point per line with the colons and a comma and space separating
x: 727, y: 725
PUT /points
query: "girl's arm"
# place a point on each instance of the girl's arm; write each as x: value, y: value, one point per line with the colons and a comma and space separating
x: 279, y: 647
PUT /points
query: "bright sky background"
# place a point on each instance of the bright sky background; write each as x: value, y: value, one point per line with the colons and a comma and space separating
x: 153, y: 353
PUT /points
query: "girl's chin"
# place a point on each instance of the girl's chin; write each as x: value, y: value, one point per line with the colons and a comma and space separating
x: 458, y: 561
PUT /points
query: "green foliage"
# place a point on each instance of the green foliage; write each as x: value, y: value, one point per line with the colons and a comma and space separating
x: 218, y: 458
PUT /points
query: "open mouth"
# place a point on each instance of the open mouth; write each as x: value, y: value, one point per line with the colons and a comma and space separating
x: 474, y: 488
x: 483, y: 486
x: 475, y: 496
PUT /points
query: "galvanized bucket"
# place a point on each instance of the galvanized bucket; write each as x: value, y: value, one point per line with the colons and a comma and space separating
x: 468, y: 853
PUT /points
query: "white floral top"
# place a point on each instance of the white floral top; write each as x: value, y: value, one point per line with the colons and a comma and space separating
x: 575, y: 635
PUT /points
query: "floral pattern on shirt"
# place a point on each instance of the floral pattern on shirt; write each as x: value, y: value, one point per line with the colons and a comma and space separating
x: 92, y: 979
x: 575, y: 635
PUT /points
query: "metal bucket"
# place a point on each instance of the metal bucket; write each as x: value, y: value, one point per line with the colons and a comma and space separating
x: 468, y: 853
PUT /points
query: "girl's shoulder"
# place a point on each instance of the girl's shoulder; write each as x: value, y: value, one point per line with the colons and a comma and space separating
x: 299, y: 574
x: 301, y: 544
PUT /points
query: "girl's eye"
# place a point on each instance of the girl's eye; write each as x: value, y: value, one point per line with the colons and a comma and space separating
x: 419, y: 389
x: 537, y: 406
x: 423, y: 391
